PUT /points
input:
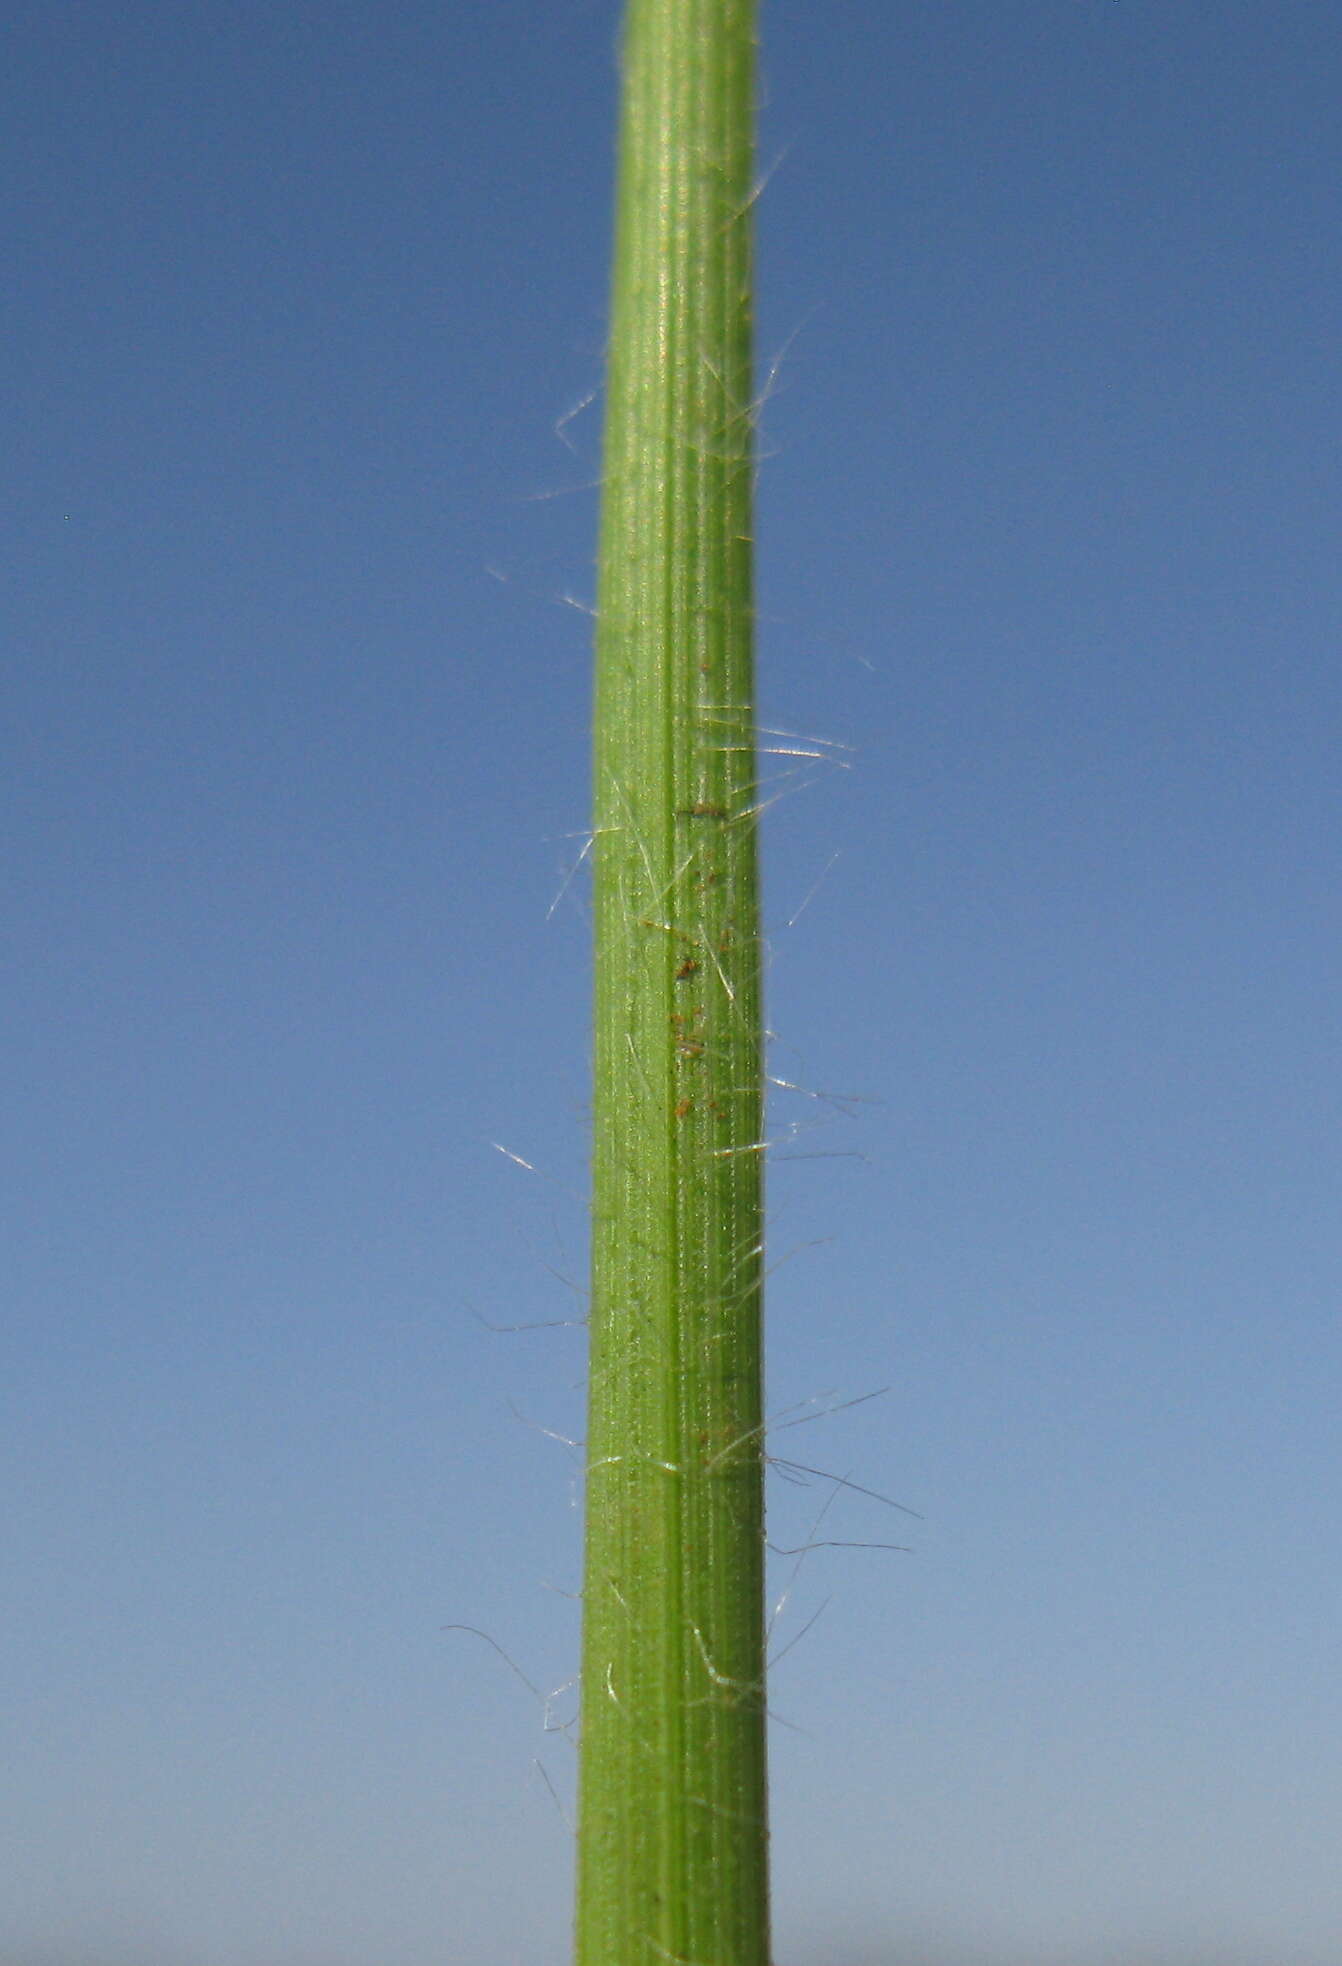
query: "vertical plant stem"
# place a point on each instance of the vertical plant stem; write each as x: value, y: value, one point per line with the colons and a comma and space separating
x: 672, y: 1835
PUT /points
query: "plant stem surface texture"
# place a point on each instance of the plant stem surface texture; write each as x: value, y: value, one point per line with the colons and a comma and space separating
x: 672, y: 1835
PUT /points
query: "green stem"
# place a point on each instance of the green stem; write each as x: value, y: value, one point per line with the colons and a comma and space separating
x: 672, y: 1837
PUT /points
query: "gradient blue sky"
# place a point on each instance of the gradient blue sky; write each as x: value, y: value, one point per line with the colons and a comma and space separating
x: 295, y: 765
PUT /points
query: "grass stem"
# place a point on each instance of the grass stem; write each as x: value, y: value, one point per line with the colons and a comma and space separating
x: 672, y: 1837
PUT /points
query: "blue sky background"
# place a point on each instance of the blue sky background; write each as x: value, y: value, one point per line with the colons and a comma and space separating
x: 295, y: 766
